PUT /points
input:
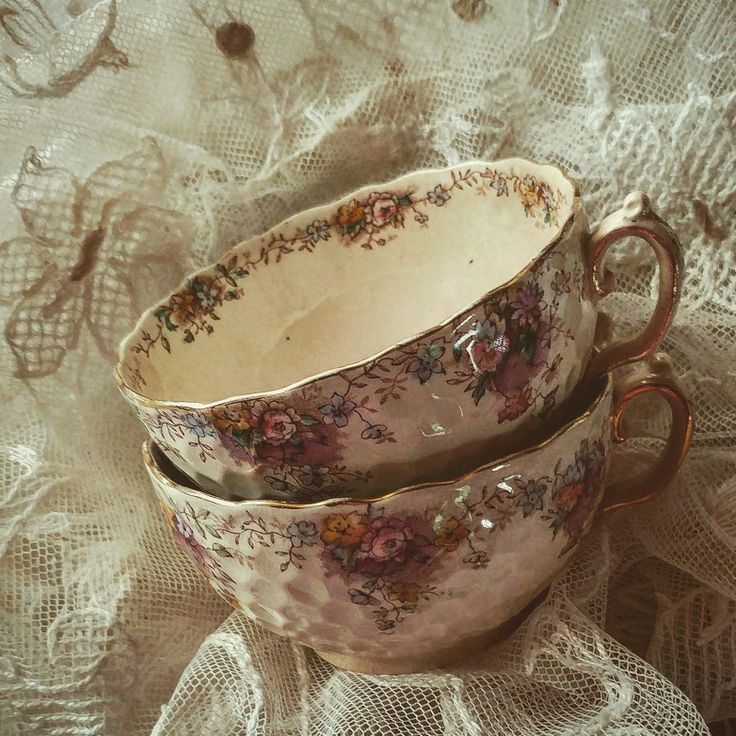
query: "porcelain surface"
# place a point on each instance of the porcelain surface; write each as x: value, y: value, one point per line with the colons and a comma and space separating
x: 286, y: 370
x: 392, y: 583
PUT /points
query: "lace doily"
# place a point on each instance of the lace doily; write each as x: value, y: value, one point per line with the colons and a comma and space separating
x: 140, y: 140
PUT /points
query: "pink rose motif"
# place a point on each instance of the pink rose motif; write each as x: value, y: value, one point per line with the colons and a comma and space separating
x: 383, y: 208
x: 527, y: 307
x: 570, y: 495
x: 488, y: 344
x: 515, y: 406
x: 387, y: 539
x: 276, y: 421
x: 184, y: 535
x: 487, y: 355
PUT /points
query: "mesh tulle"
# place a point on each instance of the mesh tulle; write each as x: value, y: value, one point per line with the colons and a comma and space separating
x: 134, y: 148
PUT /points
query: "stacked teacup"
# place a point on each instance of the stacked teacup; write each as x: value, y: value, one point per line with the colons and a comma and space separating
x: 382, y: 427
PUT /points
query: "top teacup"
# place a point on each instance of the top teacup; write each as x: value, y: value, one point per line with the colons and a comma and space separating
x: 382, y: 340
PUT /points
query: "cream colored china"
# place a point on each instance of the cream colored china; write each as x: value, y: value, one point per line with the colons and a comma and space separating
x: 421, y: 577
x: 387, y: 338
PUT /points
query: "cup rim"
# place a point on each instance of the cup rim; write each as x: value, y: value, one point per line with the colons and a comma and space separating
x: 143, y: 400
x: 605, y: 388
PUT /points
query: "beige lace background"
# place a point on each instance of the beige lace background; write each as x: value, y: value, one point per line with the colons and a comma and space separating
x: 142, y: 138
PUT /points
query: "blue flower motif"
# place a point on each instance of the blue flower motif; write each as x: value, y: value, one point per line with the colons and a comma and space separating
x: 531, y: 498
x: 337, y: 411
x: 427, y: 363
x: 198, y: 425
x: 318, y: 230
x: 302, y: 532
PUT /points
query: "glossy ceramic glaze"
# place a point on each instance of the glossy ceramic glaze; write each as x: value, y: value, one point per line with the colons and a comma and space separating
x: 288, y: 369
x: 419, y: 577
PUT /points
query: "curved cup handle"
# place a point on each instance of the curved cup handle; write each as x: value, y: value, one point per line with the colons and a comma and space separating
x: 655, y: 375
x: 636, y: 218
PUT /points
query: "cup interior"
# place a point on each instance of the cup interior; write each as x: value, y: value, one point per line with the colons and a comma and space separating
x: 339, y: 284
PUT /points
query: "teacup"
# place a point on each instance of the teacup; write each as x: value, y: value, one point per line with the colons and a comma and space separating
x: 390, y: 337
x: 423, y: 576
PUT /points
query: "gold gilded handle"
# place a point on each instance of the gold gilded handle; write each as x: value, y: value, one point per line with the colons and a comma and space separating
x: 654, y: 376
x: 636, y: 217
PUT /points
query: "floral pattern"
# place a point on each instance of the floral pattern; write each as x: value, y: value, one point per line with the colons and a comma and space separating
x: 88, y: 257
x: 367, y: 221
x: 388, y: 561
x: 501, y: 359
x: 501, y: 355
x: 575, y: 492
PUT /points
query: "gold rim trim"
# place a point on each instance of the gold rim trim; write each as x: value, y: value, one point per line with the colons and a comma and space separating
x: 138, y: 398
x: 605, y: 389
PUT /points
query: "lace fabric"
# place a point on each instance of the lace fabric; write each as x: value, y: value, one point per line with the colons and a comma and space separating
x: 140, y: 141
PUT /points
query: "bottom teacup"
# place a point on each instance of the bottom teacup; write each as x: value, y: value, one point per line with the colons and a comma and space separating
x: 421, y: 577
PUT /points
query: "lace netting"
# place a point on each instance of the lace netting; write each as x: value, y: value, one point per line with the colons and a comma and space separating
x: 135, y: 148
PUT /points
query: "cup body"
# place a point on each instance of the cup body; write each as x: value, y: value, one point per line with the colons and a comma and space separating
x: 416, y: 578
x: 501, y: 244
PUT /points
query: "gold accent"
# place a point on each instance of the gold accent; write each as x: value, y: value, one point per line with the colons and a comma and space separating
x: 135, y: 396
x: 163, y: 479
x: 653, y: 376
x: 636, y: 218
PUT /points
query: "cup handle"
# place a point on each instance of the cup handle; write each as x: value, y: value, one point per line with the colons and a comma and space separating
x: 654, y: 375
x: 636, y: 217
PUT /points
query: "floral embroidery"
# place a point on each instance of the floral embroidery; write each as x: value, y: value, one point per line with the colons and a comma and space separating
x: 388, y: 562
x: 66, y: 56
x: 90, y: 254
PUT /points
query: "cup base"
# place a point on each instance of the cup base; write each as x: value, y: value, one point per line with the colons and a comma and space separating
x: 463, y: 652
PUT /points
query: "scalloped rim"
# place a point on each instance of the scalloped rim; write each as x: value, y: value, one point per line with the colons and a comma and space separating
x: 138, y: 398
x: 605, y: 389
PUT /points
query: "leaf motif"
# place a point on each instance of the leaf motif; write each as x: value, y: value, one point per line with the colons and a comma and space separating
x: 165, y: 343
x: 189, y: 508
x: 242, y: 437
x: 220, y: 550
x: 362, y: 599
x: 418, y: 557
x: 480, y: 390
x: 309, y: 420
x: 213, y: 531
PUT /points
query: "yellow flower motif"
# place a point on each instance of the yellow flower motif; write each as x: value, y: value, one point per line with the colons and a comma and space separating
x: 228, y: 421
x: 451, y: 534
x: 350, y: 215
x: 403, y: 592
x: 344, y: 530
